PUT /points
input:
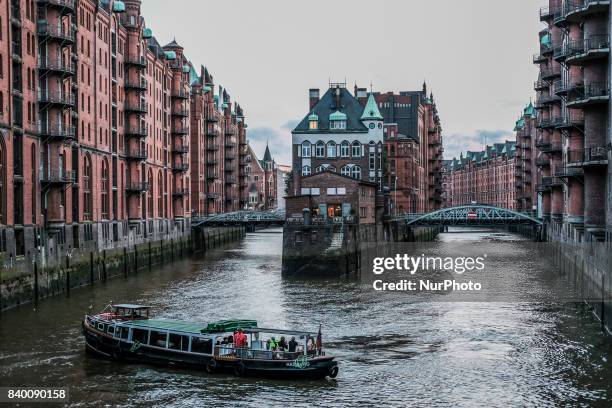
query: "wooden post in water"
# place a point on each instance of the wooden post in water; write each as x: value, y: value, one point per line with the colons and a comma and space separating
x: 67, y: 275
x: 135, y: 259
x: 104, y: 264
x: 36, y: 283
x: 91, y: 272
x: 149, y: 255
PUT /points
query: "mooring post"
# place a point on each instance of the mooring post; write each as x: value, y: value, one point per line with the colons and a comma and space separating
x: 36, y: 283
x: 135, y: 259
x: 67, y: 275
x: 91, y: 269
x: 149, y: 255
x: 104, y: 264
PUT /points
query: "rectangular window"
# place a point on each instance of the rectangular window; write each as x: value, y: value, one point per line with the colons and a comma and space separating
x: 139, y: 335
x: 178, y: 342
x: 305, y: 191
x: 158, y: 339
x: 315, y: 191
x: 331, y: 191
x: 200, y: 345
x: 363, y: 212
x: 341, y: 191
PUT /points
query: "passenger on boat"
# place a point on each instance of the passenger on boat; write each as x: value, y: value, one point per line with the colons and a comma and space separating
x: 282, y: 344
x: 257, y: 344
x: 272, y: 344
x: 292, y: 345
x: 240, y: 339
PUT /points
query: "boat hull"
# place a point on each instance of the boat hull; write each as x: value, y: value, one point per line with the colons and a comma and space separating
x: 103, y: 345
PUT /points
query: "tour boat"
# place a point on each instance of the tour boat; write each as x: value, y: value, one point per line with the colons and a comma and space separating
x: 125, y: 332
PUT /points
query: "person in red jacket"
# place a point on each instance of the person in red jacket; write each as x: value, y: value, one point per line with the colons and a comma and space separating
x: 240, y: 339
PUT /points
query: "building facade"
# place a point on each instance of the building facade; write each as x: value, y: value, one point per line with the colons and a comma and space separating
x: 95, y: 119
x: 413, y: 149
x: 338, y: 135
x: 573, y: 135
x: 262, y: 192
x: 484, y: 177
x: 526, y: 161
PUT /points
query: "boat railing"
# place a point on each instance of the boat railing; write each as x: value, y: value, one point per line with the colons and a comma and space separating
x: 231, y: 352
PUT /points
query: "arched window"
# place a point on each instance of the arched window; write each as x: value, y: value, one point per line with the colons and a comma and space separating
x: 356, y: 172
x: 150, y: 194
x: 320, y: 149
x: 306, y: 149
x: 160, y: 195
x: 345, y: 170
x: 344, y: 149
x: 104, y: 194
x: 356, y: 149
x: 325, y: 167
x: 331, y: 149
x: 306, y: 171
x: 87, y: 196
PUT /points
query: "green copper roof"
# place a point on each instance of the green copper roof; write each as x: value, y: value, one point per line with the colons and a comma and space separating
x: 313, y: 116
x: 224, y: 105
x: 519, y: 124
x: 186, y: 68
x: 246, y: 126
x: 337, y: 115
x: 171, y: 55
x: 147, y: 33
x: 207, y: 88
x: 529, y: 110
x: 546, y: 40
x: 118, y: 6
x: 193, y: 75
x: 371, y: 111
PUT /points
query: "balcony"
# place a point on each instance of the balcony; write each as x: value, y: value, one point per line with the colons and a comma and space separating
x: 212, y: 132
x: 212, y: 175
x: 212, y: 196
x: 541, y: 85
x: 212, y: 117
x: 542, y: 161
x: 596, y: 156
x: 139, y: 107
x: 137, y: 84
x: 545, y: 123
x: 568, y: 171
x: 136, y: 131
x: 138, y: 154
x: 230, y: 131
x: 64, y: 6
x: 136, y: 187
x: 57, y: 131
x: 593, y: 47
x: 180, y: 112
x: 548, y: 99
x: 579, y: 10
x: 212, y: 147
x: 57, y: 177
x: 180, y: 167
x: 548, y: 147
x: 56, y: 98
x: 180, y: 149
x: 57, y: 66
x: 230, y: 143
x: 138, y: 61
x: 180, y: 94
x: 526, y: 146
x: 55, y: 33
x: 230, y: 180
x: 230, y: 156
x: 548, y: 73
x: 589, y: 94
x: 546, y: 13
x: 551, y: 181
x: 180, y: 193
x: 180, y: 130
x: 212, y: 162
x: 573, y: 119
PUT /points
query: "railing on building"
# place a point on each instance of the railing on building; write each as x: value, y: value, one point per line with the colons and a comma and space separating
x: 57, y: 176
x: 136, y: 186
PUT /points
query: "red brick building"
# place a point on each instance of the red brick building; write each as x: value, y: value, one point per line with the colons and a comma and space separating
x: 97, y: 120
x: 526, y: 161
x: 413, y: 147
x: 485, y: 177
x: 262, y: 189
x: 573, y: 103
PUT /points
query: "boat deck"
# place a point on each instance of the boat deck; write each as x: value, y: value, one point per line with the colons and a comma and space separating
x: 169, y: 324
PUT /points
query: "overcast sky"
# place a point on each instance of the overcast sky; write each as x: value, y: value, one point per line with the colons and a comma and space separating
x: 476, y: 56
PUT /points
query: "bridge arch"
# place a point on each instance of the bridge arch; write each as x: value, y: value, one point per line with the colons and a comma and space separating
x: 471, y: 214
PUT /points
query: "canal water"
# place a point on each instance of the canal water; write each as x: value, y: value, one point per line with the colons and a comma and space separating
x: 392, y: 350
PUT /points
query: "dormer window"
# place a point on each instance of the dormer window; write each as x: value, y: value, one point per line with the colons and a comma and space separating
x: 313, y: 122
x: 337, y: 121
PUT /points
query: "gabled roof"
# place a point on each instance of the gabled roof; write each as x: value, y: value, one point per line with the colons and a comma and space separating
x: 172, y: 44
x: 267, y: 156
x: 371, y: 111
x: 349, y: 105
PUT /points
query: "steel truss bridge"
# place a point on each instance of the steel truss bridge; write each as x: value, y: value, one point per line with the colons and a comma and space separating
x: 474, y: 214
x: 245, y: 217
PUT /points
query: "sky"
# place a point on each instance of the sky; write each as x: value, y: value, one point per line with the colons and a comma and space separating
x: 475, y: 55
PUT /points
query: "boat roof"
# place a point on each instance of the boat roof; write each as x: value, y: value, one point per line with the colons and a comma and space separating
x: 130, y: 306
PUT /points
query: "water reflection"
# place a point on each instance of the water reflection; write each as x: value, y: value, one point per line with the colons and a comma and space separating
x: 392, y: 350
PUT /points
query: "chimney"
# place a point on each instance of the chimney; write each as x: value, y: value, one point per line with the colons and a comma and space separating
x: 313, y: 94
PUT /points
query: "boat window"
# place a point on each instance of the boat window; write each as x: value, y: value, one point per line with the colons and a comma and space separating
x: 140, y: 335
x: 101, y: 326
x: 200, y: 345
x: 124, y: 333
x: 111, y: 329
x: 158, y: 338
x: 178, y: 342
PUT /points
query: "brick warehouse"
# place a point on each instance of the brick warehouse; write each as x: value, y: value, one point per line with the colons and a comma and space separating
x: 484, y: 177
x: 526, y: 160
x: 573, y: 135
x: 413, y: 148
x: 97, y: 122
